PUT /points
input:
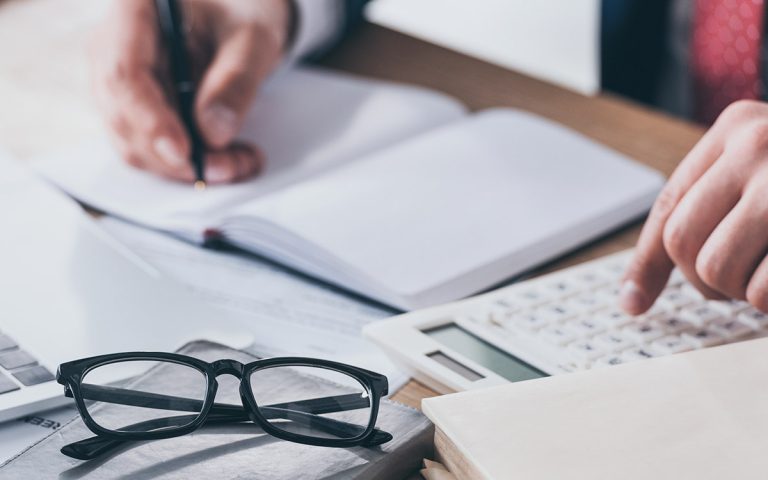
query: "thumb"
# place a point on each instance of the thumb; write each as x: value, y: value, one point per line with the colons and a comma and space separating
x: 229, y: 86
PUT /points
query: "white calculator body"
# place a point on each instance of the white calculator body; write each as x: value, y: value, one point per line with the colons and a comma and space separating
x: 567, y: 321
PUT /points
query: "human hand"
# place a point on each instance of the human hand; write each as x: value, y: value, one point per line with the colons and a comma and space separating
x: 711, y: 219
x: 233, y: 45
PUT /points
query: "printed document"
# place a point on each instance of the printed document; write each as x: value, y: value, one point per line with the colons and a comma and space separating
x: 291, y: 315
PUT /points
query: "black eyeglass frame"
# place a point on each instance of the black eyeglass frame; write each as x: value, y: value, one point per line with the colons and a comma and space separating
x: 71, y: 374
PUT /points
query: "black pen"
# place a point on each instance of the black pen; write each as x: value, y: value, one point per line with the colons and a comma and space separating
x: 172, y: 29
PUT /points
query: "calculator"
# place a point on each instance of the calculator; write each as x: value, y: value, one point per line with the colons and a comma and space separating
x: 567, y: 321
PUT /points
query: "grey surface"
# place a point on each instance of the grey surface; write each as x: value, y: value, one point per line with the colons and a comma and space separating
x: 236, y: 452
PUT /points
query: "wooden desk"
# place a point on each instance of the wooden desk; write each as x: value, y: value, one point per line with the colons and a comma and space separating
x: 45, y: 95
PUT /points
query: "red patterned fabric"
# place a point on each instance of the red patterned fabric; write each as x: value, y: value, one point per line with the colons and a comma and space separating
x: 725, y: 56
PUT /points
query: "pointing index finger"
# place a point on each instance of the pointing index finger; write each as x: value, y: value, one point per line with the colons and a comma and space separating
x: 651, y: 265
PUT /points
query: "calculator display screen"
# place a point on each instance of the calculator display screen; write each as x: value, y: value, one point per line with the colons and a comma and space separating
x: 482, y: 352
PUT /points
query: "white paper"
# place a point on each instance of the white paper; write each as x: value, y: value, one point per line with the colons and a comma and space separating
x: 305, y: 120
x: 17, y: 435
x: 465, y: 206
x: 555, y: 40
x: 291, y: 316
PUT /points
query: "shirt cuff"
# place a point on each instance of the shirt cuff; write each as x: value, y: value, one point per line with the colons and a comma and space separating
x: 319, y: 24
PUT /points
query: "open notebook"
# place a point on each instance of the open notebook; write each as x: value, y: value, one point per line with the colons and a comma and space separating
x: 391, y: 191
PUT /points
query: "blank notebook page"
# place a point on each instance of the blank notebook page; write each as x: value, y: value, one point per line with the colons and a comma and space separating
x: 486, y: 194
x: 305, y: 120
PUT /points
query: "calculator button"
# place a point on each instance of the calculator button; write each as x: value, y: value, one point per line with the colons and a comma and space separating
x: 704, y: 337
x: 729, y: 308
x: 700, y: 315
x: 658, y: 309
x: 582, y: 304
x: 675, y: 298
x: 33, y: 375
x: 585, y: 350
x: 731, y: 328
x: 6, y: 384
x: 575, y: 365
x: 559, y: 335
x: 674, y: 324
x: 612, y: 318
x: 528, y: 321
x: 609, y: 361
x: 613, y: 341
x: 498, y: 317
x: 555, y: 313
x: 643, y: 331
x: 586, y: 327
x: 671, y: 344
x: 561, y: 288
x: 530, y: 297
x: 635, y: 354
x: 754, y: 318
x: 608, y: 295
x: 507, y: 305
x: 613, y: 269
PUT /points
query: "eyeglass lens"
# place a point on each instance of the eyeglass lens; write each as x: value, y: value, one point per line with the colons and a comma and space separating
x: 146, y: 407
x: 293, y: 400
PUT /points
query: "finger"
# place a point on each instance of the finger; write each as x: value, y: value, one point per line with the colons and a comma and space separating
x: 757, y: 289
x: 733, y: 252
x: 697, y: 216
x: 234, y: 164
x: 147, y: 130
x: 650, y: 266
x: 230, y: 84
x: 154, y: 130
x: 124, y: 150
x: 130, y: 155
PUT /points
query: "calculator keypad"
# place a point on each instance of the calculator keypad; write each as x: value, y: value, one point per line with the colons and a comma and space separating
x: 574, y: 316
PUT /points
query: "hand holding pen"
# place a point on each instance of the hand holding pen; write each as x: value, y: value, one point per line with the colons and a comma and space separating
x: 230, y: 47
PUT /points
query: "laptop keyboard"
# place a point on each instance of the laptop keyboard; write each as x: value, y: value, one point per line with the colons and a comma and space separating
x: 19, y: 369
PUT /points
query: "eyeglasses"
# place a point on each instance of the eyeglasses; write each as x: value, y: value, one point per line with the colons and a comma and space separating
x: 338, y: 409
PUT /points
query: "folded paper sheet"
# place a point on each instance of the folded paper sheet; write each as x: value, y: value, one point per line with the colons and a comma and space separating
x: 239, y: 451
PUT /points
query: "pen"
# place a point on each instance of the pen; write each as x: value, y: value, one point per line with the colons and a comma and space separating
x: 172, y: 29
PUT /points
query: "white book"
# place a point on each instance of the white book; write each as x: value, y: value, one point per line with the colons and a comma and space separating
x: 697, y: 415
x: 391, y: 191
x: 554, y: 40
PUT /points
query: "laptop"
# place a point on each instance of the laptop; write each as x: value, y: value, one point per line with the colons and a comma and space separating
x: 67, y: 291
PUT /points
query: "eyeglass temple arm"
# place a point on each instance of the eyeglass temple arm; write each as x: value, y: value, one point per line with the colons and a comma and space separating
x: 220, y: 413
x: 137, y: 398
x: 93, y: 447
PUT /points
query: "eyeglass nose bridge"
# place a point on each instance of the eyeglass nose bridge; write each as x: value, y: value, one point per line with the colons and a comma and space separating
x: 231, y: 367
